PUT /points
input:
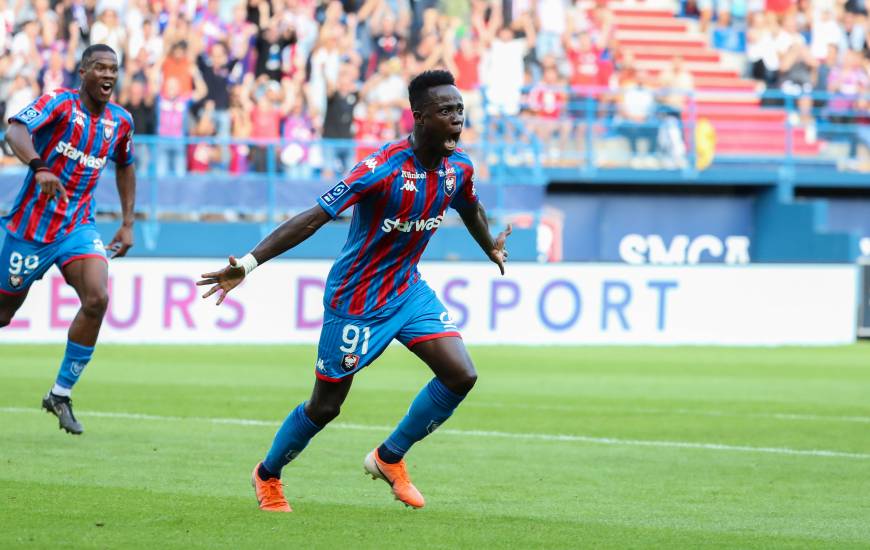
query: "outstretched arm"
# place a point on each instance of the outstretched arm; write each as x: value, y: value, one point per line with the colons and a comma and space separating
x: 283, y: 238
x: 475, y: 220
x: 125, y: 177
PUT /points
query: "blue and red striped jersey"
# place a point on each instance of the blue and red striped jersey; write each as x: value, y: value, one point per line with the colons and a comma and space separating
x: 399, y: 205
x: 75, y: 145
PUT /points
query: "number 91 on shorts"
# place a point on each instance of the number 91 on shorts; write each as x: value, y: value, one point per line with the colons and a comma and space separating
x: 349, y: 344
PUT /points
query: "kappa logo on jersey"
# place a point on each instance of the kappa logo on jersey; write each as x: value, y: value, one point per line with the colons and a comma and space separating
x: 319, y: 365
x: 450, y: 184
x: 28, y: 114
x: 349, y: 362
x: 335, y: 193
x: 372, y: 163
x: 81, y: 157
x: 411, y: 225
x: 78, y: 117
x: 409, y: 185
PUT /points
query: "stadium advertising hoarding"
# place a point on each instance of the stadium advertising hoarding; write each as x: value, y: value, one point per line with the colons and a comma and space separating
x: 157, y: 301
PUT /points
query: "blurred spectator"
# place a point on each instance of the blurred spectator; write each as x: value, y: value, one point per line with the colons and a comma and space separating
x: 147, y: 43
x: 584, y: 61
x: 58, y: 72
x: 846, y: 83
x: 219, y: 74
x: 826, y: 32
x: 761, y: 49
x: 502, y: 72
x: 240, y: 118
x: 110, y: 31
x: 271, y: 104
x: 551, y: 16
x: 200, y: 154
x: 138, y: 98
x: 177, y: 66
x: 635, y: 113
x: 343, y: 96
x: 386, y: 41
x: 298, y: 132
x: 173, y: 109
x: 547, y: 106
x: 726, y: 36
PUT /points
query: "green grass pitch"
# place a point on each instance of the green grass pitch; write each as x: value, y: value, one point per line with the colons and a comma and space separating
x: 663, y: 447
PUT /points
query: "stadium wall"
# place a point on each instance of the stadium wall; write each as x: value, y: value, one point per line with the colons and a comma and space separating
x: 156, y: 301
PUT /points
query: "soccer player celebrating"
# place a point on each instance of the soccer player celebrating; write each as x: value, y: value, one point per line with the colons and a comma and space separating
x: 65, y: 137
x: 374, y: 292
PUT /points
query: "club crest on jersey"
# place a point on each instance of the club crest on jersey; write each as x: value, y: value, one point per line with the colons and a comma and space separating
x: 349, y: 362
x: 108, y: 131
x: 450, y: 185
x: 15, y: 281
x: 335, y: 193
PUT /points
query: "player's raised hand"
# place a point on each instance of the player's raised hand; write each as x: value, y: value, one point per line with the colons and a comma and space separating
x: 499, y: 253
x: 121, y: 242
x: 225, y: 280
x: 50, y: 185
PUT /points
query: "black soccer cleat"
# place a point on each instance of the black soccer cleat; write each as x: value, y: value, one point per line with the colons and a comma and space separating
x: 61, y: 407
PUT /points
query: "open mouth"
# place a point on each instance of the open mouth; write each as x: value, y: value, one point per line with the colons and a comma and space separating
x: 107, y: 87
x: 452, y: 141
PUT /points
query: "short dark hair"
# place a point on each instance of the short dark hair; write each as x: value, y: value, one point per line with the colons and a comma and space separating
x: 92, y: 49
x: 418, y: 89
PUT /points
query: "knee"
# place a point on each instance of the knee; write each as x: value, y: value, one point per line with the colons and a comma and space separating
x: 95, y: 304
x: 322, y: 412
x: 5, y: 318
x: 462, y: 383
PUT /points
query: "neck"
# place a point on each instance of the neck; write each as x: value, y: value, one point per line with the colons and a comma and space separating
x: 429, y: 159
x: 92, y: 105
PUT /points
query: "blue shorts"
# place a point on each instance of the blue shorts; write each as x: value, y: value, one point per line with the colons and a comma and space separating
x: 23, y: 262
x: 347, y: 344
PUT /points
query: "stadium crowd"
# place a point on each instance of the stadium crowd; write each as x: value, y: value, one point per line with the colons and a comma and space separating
x: 301, y: 70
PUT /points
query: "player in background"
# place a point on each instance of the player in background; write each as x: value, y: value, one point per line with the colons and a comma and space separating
x: 374, y: 292
x: 66, y: 137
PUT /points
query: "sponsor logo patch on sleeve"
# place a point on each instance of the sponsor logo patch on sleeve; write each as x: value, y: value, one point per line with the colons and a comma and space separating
x: 28, y: 114
x: 335, y: 193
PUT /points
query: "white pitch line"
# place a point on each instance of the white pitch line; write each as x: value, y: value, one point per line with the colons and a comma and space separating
x: 681, y: 412
x: 482, y: 433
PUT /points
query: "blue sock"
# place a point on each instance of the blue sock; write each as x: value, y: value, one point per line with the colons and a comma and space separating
x: 74, y: 362
x: 293, y: 435
x: 432, y: 406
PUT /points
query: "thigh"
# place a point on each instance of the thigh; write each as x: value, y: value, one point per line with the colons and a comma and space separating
x: 434, y: 337
x: 348, y: 344
x: 22, y: 263
x: 82, y: 260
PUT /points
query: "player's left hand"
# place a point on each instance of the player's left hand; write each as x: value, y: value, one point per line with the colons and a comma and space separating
x: 499, y: 253
x: 121, y: 242
x: 224, y: 280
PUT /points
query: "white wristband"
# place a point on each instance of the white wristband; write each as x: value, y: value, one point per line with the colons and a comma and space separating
x: 248, y: 261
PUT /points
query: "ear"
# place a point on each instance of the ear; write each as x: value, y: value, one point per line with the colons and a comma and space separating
x: 418, y: 117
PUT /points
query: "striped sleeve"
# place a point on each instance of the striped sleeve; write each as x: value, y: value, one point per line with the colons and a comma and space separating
x: 43, y: 111
x: 123, y: 153
x: 466, y: 195
x: 363, y: 179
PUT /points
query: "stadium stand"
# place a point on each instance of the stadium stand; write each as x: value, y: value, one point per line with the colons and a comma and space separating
x: 264, y: 100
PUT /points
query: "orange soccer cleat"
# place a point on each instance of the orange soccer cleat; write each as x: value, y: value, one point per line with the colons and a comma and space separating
x: 270, y: 493
x: 397, y: 476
